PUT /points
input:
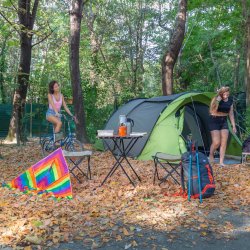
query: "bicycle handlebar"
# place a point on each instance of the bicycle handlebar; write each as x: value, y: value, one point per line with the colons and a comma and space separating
x: 66, y: 118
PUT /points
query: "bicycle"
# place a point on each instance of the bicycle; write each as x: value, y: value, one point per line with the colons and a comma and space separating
x: 69, y: 142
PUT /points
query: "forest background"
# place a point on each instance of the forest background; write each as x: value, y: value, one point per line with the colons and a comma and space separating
x: 122, y: 44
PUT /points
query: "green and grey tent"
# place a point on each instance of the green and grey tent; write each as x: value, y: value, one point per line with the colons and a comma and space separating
x: 168, y: 120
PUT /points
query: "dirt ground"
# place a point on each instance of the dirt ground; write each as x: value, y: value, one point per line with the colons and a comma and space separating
x: 119, y: 216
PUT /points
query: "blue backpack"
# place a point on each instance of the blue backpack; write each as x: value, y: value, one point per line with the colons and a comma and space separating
x: 206, y: 175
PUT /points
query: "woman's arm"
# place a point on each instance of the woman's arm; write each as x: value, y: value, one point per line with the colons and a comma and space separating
x: 214, y: 104
x: 50, y: 99
x: 231, y: 117
x: 66, y: 107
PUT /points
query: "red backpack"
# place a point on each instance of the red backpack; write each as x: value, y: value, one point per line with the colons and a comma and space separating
x: 206, y: 175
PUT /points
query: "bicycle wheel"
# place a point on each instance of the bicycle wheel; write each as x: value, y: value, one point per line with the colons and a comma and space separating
x: 74, y: 146
x: 48, y: 146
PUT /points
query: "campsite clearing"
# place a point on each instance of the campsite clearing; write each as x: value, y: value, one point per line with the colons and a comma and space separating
x: 117, y: 213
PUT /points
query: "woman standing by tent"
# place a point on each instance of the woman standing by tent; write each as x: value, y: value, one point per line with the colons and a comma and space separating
x: 220, y: 108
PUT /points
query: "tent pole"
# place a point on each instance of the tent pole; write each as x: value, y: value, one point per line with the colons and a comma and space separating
x: 198, y: 124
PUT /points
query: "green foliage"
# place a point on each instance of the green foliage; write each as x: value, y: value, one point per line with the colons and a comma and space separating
x: 122, y: 44
x: 220, y: 25
x: 248, y: 121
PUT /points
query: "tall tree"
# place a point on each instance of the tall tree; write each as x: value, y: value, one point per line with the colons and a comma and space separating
x: 75, y: 29
x: 3, y: 69
x: 26, y: 15
x: 175, y: 43
x: 246, y: 15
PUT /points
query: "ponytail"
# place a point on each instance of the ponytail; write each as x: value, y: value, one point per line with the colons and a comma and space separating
x: 213, y: 105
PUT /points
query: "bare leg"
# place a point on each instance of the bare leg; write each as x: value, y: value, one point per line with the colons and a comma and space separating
x: 216, y: 140
x: 223, y: 146
x: 56, y: 122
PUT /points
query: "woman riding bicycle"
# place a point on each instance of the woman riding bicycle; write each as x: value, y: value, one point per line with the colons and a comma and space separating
x: 56, y: 101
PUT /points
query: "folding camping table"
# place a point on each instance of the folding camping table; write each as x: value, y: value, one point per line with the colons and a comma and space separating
x: 74, y: 161
x: 120, y: 149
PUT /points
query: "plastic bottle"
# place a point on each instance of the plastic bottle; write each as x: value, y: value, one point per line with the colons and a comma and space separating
x: 122, y: 130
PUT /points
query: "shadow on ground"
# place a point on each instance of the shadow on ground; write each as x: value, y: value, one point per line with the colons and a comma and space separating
x: 182, y: 238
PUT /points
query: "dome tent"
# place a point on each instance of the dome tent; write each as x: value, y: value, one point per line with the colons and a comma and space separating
x: 168, y: 120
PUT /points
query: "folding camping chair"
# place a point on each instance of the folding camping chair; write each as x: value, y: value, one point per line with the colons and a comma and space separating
x: 170, y: 164
x: 75, y: 159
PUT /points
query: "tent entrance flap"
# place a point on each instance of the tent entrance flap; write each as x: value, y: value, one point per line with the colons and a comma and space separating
x: 196, y: 124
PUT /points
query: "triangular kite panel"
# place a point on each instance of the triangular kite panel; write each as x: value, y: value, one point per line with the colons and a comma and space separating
x: 50, y: 176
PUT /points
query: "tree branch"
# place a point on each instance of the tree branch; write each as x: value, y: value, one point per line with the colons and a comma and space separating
x: 44, y: 38
x: 8, y: 21
x: 13, y: 6
x: 160, y: 23
x: 34, y: 10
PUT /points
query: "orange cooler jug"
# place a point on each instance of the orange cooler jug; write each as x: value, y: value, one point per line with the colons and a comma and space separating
x: 122, y: 131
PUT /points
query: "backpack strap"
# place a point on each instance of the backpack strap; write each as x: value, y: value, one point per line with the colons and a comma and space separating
x: 190, y: 166
x: 182, y: 179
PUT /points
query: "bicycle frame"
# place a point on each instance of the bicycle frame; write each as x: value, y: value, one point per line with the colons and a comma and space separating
x: 66, y: 139
x: 69, y: 142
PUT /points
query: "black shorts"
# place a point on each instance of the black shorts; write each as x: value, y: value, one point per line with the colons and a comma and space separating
x: 217, y: 122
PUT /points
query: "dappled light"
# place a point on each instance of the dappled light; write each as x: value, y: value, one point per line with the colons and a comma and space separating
x: 145, y: 79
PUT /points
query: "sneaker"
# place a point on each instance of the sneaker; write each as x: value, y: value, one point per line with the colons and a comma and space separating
x: 222, y: 165
x: 59, y: 136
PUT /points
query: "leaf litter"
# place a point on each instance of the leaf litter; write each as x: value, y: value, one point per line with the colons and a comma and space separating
x: 115, y: 210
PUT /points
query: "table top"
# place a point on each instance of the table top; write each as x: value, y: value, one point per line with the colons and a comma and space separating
x: 132, y: 135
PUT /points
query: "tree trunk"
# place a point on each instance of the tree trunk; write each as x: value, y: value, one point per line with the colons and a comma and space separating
x: 26, y: 19
x: 3, y: 70
x: 237, y: 70
x: 16, y: 128
x: 140, y: 50
x: 171, y: 55
x: 248, y: 57
x: 216, y: 67
x: 75, y: 28
x: 94, y: 44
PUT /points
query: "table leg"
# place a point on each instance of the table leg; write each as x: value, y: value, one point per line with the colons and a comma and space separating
x: 123, y: 152
x: 112, y: 170
x: 126, y: 150
x: 75, y: 166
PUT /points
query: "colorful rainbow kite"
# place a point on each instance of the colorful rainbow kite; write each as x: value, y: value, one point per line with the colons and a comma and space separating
x: 49, y: 176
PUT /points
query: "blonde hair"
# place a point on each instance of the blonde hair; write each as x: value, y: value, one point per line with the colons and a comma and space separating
x: 220, y: 92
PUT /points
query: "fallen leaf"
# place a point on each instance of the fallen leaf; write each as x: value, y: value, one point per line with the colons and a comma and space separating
x: 34, y: 240
x: 125, y: 231
x: 127, y: 246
